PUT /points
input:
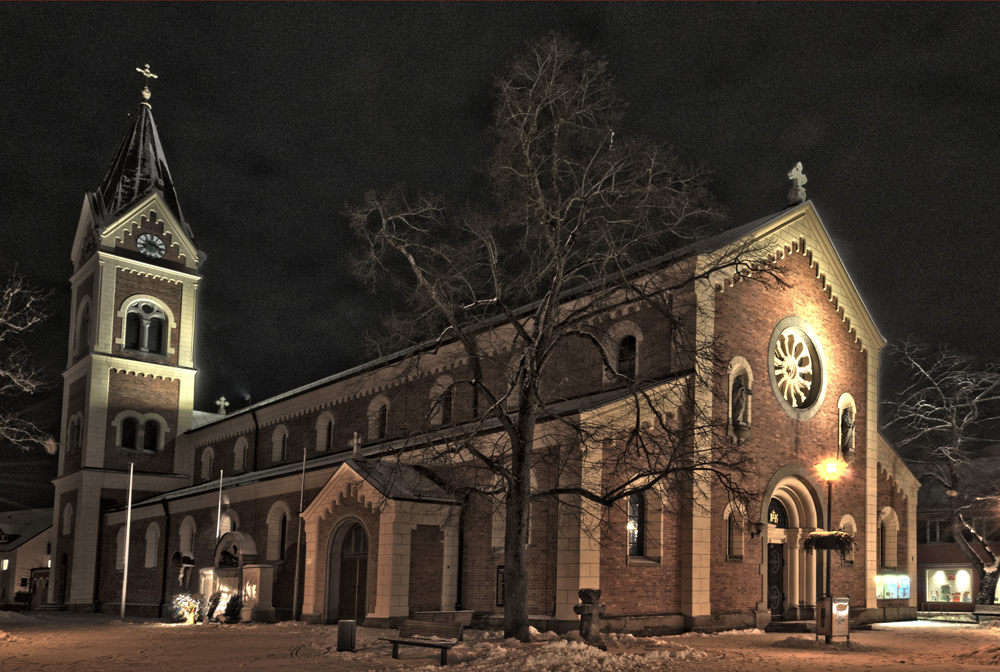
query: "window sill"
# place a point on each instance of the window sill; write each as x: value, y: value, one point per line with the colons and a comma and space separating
x: 641, y: 561
x: 734, y: 558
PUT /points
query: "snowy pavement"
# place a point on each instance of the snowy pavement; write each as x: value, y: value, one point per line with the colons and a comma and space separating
x: 51, y: 642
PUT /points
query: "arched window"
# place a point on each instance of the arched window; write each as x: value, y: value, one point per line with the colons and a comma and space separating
x: 324, y: 432
x: 279, y: 444
x: 240, y: 455
x: 130, y: 428
x: 776, y: 514
x: 67, y: 519
x: 888, y: 531
x: 207, y: 462
x: 378, y: 418
x: 442, y: 401
x: 277, y: 530
x: 151, y: 436
x: 187, y: 536
x: 636, y: 525
x: 735, y: 525
x: 383, y: 422
x: 447, y: 403
x: 120, y: 549
x: 145, y: 328
x: 621, y: 346
x: 152, y: 544
x: 626, y: 356
x: 137, y: 431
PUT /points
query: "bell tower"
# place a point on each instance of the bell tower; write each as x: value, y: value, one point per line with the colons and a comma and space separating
x: 128, y: 387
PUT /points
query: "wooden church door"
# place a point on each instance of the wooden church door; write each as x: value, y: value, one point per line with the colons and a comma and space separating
x: 353, y: 581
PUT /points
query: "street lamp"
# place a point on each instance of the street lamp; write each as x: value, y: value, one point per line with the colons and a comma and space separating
x: 830, y: 470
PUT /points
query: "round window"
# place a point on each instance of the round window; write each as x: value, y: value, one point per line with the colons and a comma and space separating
x: 796, y: 368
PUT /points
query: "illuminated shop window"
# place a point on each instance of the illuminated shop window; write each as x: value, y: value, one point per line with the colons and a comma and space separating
x: 949, y: 584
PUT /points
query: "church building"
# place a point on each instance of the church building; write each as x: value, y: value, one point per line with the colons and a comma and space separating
x: 285, y: 505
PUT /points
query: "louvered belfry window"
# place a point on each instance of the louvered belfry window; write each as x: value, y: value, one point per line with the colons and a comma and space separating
x: 146, y: 328
x: 151, y: 436
x: 133, y: 327
x: 155, y: 335
x: 129, y: 430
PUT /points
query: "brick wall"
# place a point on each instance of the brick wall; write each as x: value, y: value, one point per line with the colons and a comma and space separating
x: 142, y: 394
x: 426, y: 561
x: 746, y: 316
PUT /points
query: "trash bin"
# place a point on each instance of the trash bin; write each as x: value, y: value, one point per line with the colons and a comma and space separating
x: 346, y: 634
x: 832, y: 619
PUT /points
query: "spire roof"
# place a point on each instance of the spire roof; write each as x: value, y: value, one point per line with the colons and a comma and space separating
x: 138, y: 169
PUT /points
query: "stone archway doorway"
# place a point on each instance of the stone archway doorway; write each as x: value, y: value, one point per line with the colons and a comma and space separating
x: 789, y: 575
x: 347, y: 597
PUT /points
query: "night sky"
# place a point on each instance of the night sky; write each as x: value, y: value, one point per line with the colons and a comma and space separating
x: 275, y: 117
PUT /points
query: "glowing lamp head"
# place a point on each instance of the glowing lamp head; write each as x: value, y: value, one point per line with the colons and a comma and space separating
x: 830, y: 470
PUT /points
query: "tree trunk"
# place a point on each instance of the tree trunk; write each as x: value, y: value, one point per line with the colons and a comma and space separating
x: 987, y: 587
x: 515, y: 573
x: 515, y: 616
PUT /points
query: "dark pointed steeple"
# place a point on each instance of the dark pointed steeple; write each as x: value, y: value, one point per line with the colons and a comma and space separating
x: 139, y: 168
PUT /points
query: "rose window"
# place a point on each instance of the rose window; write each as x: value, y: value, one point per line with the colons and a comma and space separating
x: 796, y: 368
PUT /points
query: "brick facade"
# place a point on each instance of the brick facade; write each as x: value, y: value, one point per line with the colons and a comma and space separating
x: 443, y: 552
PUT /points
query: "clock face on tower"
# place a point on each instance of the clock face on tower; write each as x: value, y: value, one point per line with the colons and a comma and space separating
x: 151, y: 246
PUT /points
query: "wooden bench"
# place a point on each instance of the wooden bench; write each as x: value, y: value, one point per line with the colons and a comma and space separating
x: 433, y: 634
x: 464, y: 617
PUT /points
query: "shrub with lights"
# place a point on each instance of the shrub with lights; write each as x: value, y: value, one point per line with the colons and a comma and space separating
x: 187, y: 606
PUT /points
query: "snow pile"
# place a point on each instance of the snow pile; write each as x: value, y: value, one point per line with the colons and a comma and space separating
x: 559, y: 656
x: 984, y: 655
x: 537, y: 636
x: 687, y: 653
x: 748, y: 631
x: 7, y: 637
x: 15, y: 617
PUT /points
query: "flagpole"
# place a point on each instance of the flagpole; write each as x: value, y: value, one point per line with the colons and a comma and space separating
x: 298, y: 540
x: 218, y: 516
x: 128, y: 535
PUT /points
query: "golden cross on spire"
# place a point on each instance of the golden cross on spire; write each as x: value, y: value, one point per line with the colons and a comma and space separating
x: 147, y: 74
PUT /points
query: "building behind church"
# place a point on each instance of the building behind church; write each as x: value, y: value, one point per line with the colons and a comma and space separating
x: 380, y: 542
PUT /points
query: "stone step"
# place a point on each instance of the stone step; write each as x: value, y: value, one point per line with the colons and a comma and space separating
x: 791, y: 626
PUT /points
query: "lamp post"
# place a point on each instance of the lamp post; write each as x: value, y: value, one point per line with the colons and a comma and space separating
x: 830, y: 471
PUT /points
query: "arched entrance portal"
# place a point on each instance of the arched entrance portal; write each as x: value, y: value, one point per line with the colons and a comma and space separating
x: 347, y: 595
x: 788, y: 574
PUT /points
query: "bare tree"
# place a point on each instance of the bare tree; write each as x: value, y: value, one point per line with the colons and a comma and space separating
x: 944, y: 416
x: 582, y: 219
x: 21, y: 309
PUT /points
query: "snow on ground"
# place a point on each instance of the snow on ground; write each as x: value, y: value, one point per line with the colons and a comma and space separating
x: 53, y: 642
x: 813, y: 642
